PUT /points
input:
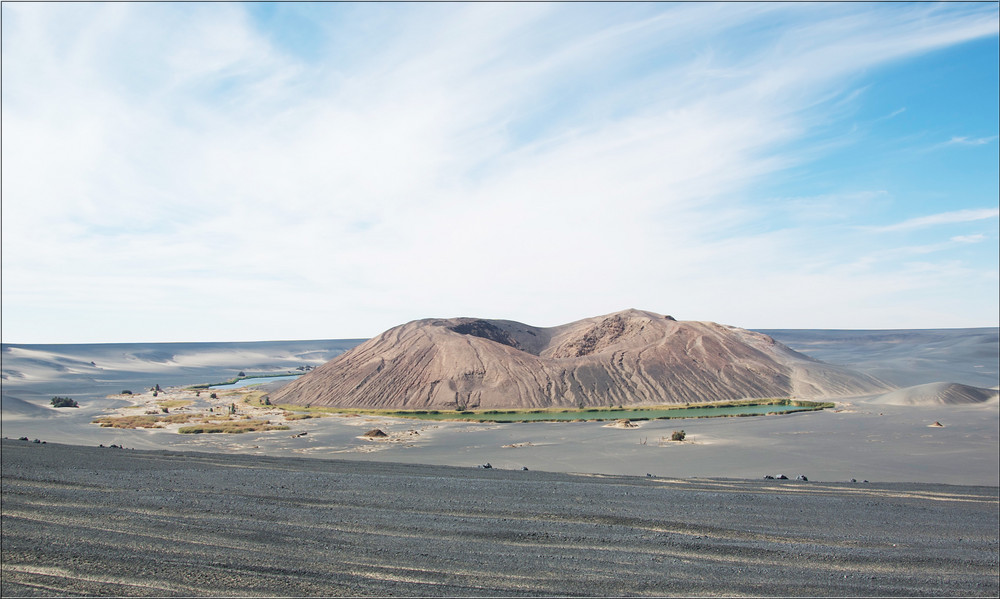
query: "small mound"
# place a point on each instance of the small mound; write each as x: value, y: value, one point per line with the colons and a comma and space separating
x: 375, y: 433
x: 937, y: 394
x: 622, y: 423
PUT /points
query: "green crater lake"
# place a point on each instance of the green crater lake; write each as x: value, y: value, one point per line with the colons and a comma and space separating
x: 651, y: 413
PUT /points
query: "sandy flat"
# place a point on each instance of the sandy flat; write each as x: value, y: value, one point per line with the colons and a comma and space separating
x: 600, y: 510
x: 110, y: 522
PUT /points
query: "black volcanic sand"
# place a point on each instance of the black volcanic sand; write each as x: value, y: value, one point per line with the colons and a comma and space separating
x: 93, y: 521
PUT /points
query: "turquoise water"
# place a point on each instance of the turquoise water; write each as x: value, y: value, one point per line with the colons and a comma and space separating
x: 256, y: 381
x: 632, y: 414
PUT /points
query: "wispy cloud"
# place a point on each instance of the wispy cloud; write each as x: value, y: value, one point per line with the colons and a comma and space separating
x: 176, y: 167
x: 969, y: 141
x: 977, y: 238
x: 943, y: 218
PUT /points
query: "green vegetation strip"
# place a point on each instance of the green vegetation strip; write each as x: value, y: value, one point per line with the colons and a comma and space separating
x: 752, y: 407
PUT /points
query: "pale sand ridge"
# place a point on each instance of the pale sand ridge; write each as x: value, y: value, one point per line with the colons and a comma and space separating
x: 938, y: 394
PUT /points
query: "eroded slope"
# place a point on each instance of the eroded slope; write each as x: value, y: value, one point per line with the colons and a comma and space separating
x: 630, y: 357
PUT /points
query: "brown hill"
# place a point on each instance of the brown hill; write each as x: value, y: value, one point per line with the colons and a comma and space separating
x: 630, y: 357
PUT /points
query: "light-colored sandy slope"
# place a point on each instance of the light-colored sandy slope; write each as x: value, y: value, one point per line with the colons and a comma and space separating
x: 15, y: 407
x: 45, y: 362
x: 932, y: 394
x: 905, y: 357
x: 36, y: 372
x: 630, y: 357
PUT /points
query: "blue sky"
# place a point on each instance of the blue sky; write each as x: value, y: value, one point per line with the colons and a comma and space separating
x: 223, y: 172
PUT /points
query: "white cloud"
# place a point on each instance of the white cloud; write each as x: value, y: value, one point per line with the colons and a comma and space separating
x: 969, y: 238
x: 969, y: 141
x: 943, y: 218
x: 170, y: 166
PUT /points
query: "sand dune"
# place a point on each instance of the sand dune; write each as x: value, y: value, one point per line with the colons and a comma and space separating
x: 905, y: 357
x: 629, y: 357
x: 938, y: 394
x: 17, y: 407
x: 36, y: 372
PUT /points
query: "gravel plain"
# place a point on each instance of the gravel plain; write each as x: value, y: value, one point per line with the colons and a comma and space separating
x: 113, y: 522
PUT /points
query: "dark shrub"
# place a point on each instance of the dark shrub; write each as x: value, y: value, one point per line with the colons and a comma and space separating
x: 64, y: 402
x: 677, y: 436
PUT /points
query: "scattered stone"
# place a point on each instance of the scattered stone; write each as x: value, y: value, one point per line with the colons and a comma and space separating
x: 802, y: 477
x: 768, y: 477
x: 781, y: 477
x: 486, y: 466
x: 524, y: 468
x: 936, y: 424
x: 375, y: 433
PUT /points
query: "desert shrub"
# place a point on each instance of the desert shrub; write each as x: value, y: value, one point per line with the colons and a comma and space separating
x: 677, y: 436
x: 126, y: 392
x: 243, y: 426
x: 290, y: 416
x: 174, y: 403
x: 64, y: 402
x: 214, y: 396
x: 146, y: 421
